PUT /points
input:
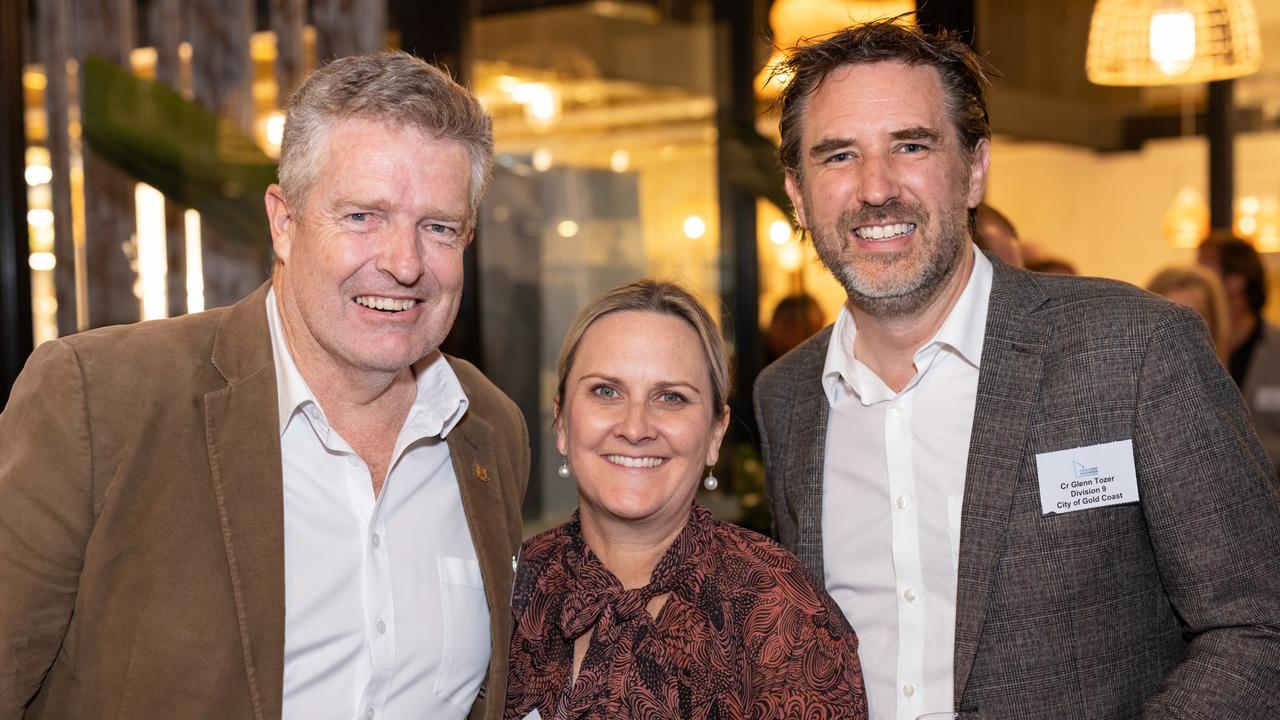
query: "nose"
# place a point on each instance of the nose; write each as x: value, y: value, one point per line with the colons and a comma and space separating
x: 400, y: 254
x: 878, y: 181
x: 636, y: 425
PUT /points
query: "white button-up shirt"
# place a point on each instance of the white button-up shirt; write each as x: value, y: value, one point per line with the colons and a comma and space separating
x: 385, y: 613
x: 892, y: 492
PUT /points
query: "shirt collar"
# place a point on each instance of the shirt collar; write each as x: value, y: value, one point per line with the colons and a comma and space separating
x: 437, y: 408
x: 964, y: 331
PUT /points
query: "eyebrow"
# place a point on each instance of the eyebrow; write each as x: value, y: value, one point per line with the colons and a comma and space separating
x: 662, y: 385
x: 830, y: 145
x: 381, y: 205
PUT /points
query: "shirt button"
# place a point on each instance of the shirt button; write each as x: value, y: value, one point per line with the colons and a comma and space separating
x: 901, y: 502
x: 368, y: 713
x: 377, y: 540
x: 909, y: 595
x: 382, y: 627
x: 908, y: 689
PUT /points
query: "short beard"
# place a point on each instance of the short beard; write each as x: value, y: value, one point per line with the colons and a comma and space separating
x: 940, y: 263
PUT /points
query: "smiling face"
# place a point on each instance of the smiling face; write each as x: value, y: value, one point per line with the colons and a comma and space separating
x: 885, y: 186
x: 636, y: 421
x: 369, y: 270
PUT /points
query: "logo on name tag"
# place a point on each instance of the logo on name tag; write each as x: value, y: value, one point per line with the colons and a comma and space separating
x: 1087, y: 477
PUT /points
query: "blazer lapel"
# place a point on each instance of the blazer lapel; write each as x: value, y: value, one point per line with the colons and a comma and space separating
x: 244, y: 458
x: 1008, y: 387
x: 805, y: 451
x: 471, y: 448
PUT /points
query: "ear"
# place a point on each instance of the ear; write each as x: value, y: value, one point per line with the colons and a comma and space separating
x: 792, y: 185
x: 562, y: 444
x: 978, y: 167
x: 718, y: 429
x: 280, y: 219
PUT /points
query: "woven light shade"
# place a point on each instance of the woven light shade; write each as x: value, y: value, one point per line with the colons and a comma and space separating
x: 1168, y: 42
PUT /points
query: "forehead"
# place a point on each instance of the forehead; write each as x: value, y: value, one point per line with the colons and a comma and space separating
x: 360, y: 156
x: 870, y: 97
x: 637, y: 339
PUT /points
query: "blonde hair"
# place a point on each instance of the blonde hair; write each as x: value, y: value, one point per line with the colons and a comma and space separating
x: 1182, y: 277
x: 657, y: 296
x: 392, y: 87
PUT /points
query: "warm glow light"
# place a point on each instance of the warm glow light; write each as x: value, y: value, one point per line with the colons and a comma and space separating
x: 153, y: 254
x: 40, y: 217
x: 275, y: 130
x: 1250, y: 205
x: 541, y: 103
x: 1186, y: 222
x: 620, y: 160
x: 542, y: 159
x: 1248, y: 225
x: 42, y: 261
x: 567, y: 228
x: 694, y: 227
x: 38, y: 174
x: 790, y: 256
x: 780, y: 231
x: 194, y: 261
x: 1173, y: 39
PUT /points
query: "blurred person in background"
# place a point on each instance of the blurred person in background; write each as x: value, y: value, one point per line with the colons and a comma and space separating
x: 1200, y: 290
x: 643, y: 605
x: 795, y: 319
x: 1052, y: 266
x: 1254, y: 343
x: 996, y: 235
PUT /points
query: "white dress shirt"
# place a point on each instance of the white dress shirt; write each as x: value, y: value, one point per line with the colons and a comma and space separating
x: 892, y: 492
x: 385, y: 613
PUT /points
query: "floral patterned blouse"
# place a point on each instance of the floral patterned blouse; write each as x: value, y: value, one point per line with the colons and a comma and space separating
x: 745, y: 633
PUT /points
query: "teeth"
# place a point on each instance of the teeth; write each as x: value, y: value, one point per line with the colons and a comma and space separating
x: 643, y: 462
x: 384, y: 303
x: 883, y: 232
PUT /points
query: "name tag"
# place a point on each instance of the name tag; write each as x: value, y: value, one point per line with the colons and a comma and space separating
x: 1087, y: 477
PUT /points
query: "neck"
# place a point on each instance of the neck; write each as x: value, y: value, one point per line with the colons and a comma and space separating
x: 629, y: 549
x: 887, y: 344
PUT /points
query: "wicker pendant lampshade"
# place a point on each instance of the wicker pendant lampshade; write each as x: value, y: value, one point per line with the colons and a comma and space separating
x: 1167, y: 42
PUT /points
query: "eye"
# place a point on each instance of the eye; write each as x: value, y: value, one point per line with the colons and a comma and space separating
x: 605, y: 391
x: 840, y: 157
x: 672, y: 397
x: 358, y: 217
x: 912, y: 148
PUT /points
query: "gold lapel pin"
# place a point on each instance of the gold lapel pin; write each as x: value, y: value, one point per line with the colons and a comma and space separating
x: 481, y: 474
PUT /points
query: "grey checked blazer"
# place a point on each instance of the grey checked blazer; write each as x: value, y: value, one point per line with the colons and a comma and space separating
x: 1166, y: 608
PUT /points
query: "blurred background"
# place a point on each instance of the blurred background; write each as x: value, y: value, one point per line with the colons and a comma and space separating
x: 634, y: 138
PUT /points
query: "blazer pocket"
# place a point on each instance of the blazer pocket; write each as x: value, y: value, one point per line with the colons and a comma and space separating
x: 464, y: 631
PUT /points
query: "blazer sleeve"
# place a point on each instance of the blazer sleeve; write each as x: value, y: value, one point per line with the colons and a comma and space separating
x: 1212, y: 504
x: 46, y: 515
x: 774, y: 477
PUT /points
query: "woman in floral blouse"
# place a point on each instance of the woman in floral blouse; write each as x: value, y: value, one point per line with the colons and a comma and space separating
x: 642, y: 605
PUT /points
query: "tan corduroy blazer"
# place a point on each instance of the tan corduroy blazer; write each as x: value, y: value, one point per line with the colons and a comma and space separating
x: 141, y: 522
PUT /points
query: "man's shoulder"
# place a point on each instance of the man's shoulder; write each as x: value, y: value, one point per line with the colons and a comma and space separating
x: 483, y: 396
x: 802, y: 364
x: 1100, y: 308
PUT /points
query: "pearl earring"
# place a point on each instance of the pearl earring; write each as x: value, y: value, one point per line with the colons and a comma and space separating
x: 563, y: 470
x: 710, y: 482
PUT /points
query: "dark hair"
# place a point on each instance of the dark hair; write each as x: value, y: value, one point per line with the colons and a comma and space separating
x: 962, y: 72
x: 1237, y: 257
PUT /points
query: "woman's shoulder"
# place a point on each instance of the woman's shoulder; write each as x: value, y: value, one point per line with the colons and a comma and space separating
x: 748, y: 557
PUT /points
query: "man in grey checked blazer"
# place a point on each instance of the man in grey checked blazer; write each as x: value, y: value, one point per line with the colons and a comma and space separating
x: 1167, y: 607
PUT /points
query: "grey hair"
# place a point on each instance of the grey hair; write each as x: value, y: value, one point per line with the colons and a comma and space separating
x: 392, y: 87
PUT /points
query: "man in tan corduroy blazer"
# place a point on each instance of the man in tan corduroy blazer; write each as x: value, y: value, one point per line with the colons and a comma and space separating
x: 148, y: 512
